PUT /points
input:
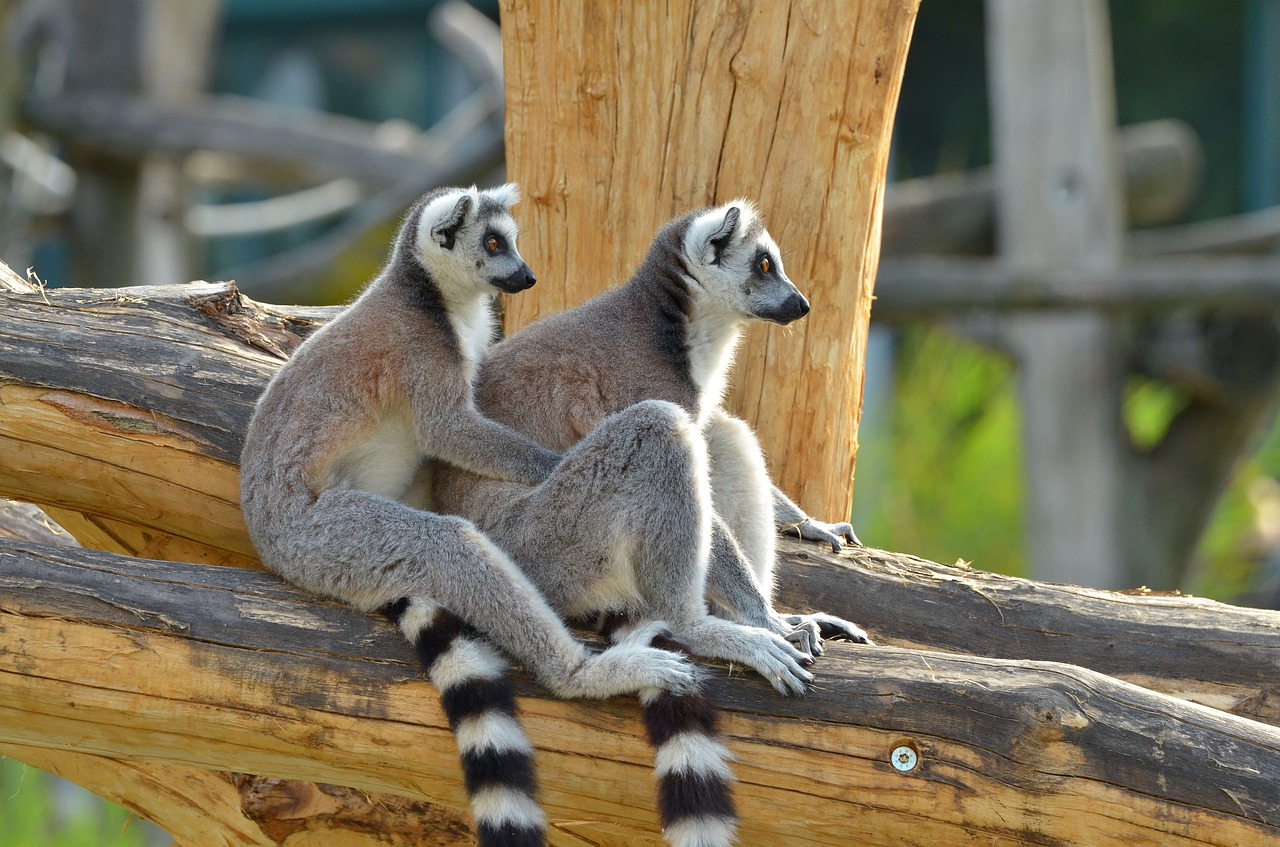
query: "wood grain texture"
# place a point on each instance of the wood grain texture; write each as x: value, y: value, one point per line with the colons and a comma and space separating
x: 122, y: 410
x: 222, y: 669
x: 621, y: 116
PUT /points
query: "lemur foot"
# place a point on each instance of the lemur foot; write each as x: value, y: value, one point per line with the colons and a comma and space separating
x: 835, y: 534
x: 832, y: 628
x: 773, y: 658
x: 805, y: 635
x: 631, y: 666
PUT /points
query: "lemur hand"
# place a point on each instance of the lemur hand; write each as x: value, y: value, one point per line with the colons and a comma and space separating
x: 832, y: 628
x: 835, y: 534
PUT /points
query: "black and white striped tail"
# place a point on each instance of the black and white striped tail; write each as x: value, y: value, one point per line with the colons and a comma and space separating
x: 475, y: 691
x: 691, y: 763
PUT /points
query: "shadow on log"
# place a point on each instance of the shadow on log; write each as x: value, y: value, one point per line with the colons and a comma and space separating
x: 122, y: 413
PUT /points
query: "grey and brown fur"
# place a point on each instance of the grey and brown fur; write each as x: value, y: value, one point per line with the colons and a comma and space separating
x: 337, y: 448
x: 666, y: 335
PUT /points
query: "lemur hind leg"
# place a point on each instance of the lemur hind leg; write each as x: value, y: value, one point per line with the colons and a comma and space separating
x: 623, y: 524
x: 372, y: 551
x: 744, y: 498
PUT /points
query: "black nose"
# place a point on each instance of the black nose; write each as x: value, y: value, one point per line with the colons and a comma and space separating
x: 521, y: 279
x: 796, y: 305
x: 793, y: 308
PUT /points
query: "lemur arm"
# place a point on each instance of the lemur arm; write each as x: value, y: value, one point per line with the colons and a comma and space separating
x: 485, y: 447
x: 791, y: 518
x: 733, y: 585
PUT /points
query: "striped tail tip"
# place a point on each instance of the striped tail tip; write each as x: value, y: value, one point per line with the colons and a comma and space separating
x: 695, y: 781
x: 476, y: 694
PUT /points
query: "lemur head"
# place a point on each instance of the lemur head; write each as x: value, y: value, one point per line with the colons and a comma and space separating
x: 735, y: 263
x: 466, y: 239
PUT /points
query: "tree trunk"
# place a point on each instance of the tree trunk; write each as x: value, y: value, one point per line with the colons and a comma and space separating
x: 623, y: 116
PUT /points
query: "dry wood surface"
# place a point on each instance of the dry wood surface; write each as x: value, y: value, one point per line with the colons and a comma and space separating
x: 168, y: 680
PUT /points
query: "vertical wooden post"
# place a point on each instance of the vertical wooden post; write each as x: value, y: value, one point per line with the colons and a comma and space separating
x: 1053, y: 111
x: 622, y: 115
x: 177, y: 51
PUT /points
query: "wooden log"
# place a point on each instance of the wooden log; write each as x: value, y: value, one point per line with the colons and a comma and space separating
x: 134, y: 445
x: 621, y: 117
x: 954, y: 213
x: 1197, y: 649
x: 222, y: 669
x: 207, y: 808
x: 928, y: 287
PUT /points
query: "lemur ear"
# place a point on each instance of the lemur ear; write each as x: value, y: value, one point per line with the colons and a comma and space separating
x: 508, y: 194
x: 445, y: 231
x: 719, y: 240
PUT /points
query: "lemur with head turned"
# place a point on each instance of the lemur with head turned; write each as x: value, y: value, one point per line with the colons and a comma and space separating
x: 668, y: 334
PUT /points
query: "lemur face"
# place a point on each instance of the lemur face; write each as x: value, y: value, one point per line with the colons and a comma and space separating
x: 736, y: 263
x: 467, y: 239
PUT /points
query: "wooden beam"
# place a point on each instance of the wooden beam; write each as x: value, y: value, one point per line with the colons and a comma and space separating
x: 222, y: 669
x: 954, y: 213
x: 1053, y: 131
x: 910, y: 289
x: 322, y: 144
x: 620, y: 117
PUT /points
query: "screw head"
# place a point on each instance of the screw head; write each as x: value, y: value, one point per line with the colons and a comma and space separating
x: 904, y: 758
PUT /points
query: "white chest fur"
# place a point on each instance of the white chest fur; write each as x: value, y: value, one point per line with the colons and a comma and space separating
x: 472, y: 322
x: 713, y: 338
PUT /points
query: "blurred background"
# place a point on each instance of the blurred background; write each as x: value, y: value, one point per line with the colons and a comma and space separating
x: 1090, y: 401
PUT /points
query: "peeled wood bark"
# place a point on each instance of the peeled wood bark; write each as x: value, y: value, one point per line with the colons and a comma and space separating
x: 622, y: 116
x: 161, y: 662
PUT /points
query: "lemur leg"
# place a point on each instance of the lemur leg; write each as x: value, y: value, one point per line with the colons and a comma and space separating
x: 371, y: 551
x: 747, y: 501
x: 623, y: 524
x: 735, y: 593
x: 791, y: 519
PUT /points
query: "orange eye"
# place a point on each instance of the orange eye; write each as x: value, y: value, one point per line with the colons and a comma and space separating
x: 765, y: 265
x: 491, y: 244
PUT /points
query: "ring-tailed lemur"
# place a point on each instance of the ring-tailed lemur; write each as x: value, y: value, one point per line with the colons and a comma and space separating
x: 336, y: 450
x: 670, y: 334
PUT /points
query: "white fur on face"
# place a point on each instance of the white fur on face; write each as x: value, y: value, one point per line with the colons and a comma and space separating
x: 463, y: 271
x: 732, y: 284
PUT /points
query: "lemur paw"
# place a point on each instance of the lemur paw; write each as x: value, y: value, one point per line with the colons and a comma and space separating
x: 805, y: 635
x: 832, y: 628
x: 781, y: 664
x: 632, y: 666
x: 835, y: 534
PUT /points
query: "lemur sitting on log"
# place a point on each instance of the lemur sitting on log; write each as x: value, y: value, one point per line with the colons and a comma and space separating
x: 663, y: 340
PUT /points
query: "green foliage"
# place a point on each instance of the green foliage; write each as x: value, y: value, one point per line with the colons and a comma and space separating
x: 954, y: 487
x: 30, y: 817
x: 943, y: 479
